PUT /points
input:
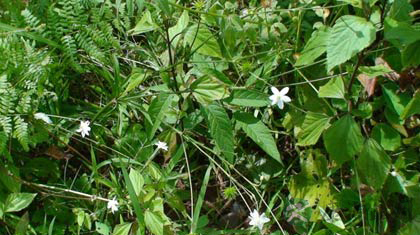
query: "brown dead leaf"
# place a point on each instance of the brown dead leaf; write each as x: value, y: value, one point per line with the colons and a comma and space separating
x: 394, y: 76
x: 368, y: 83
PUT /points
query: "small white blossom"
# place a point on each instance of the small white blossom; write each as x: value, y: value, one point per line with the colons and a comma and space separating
x: 279, y: 97
x: 394, y: 173
x: 84, y: 128
x: 257, y: 219
x: 43, y: 117
x: 113, y: 205
x: 162, y: 145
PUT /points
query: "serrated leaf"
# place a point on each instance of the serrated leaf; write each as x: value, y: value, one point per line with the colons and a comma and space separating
x: 18, y: 201
x: 373, y: 164
x: 333, y: 89
x: 259, y: 133
x: 207, y: 88
x: 314, y: 48
x: 248, y: 98
x: 202, y: 41
x: 312, y: 128
x: 349, y: 35
x: 221, y: 129
x: 343, y: 139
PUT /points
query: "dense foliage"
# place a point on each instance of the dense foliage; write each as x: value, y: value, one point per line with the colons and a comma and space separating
x: 209, y: 117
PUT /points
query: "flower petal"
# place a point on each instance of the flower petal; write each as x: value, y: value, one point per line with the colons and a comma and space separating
x: 286, y: 99
x: 284, y: 91
x: 280, y: 104
x: 273, y: 99
x: 274, y: 90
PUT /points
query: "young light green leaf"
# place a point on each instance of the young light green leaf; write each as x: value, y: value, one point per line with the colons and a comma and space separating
x: 122, y: 229
x: 221, y: 129
x: 312, y: 128
x: 202, y: 41
x: 259, y: 133
x: 314, y: 48
x: 386, y: 136
x: 333, y: 89
x: 349, y: 35
x: 413, y: 107
x: 207, y: 88
x: 145, y: 24
x: 157, y: 110
x: 248, y: 98
x: 373, y: 164
x: 18, y: 201
x: 343, y: 139
x: 154, y: 222
x: 102, y: 228
x: 200, y: 199
x: 137, y: 180
x: 175, y: 32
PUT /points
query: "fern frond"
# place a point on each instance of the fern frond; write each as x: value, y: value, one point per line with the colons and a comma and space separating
x: 21, y: 132
x: 6, y: 123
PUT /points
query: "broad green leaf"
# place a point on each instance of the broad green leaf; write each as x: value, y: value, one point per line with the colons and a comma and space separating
x: 248, y: 98
x: 145, y: 24
x: 400, y: 34
x: 400, y: 10
x: 154, y: 222
x: 412, y: 228
x: 136, y: 78
x: 394, y: 100
x: 333, y: 89
x: 102, y: 228
x: 221, y: 129
x: 217, y: 74
x: 343, y: 139
x: 157, y: 110
x: 207, y: 88
x: 8, y: 181
x: 314, y: 48
x: 349, y: 35
x: 411, y: 54
x: 312, y: 128
x: 373, y: 164
x: 387, y: 137
x: 355, y: 3
x: 22, y: 225
x: 175, y: 32
x: 202, y: 41
x: 122, y: 229
x: 18, y: 201
x: 137, y: 180
x: 413, y: 107
x: 259, y: 133
x: 164, y: 6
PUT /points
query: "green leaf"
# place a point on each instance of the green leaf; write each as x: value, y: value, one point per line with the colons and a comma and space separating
x: 373, y: 164
x: 137, y: 180
x: 102, y: 228
x: 355, y: 3
x: 333, y: 89
x: 259, y: 133
x: 248, y: 98
x: 411, y: 54
x: 413, y: 107
x: 400, y: 10
x: 314, y: 48
x: 343, y: 139
x: 387, y: 137
x: 175, y: 32
x: 157, y: 110
x: 18, y: 201
x: 221, y: 129
x: 137, y: 76
x: 394, y: 100
x: 22, y: 225
x: 312, y: 128
x: 154, y: 222
x: 349, y: 35
x: 145, y: 24
x: 374, y: 71
x: 202, y: 41
x: 207, y: 89
x: 217, y: 74
x: 400, y: 34
x: 200, y: 200
x: 164, y: 6
x: 122, y: 229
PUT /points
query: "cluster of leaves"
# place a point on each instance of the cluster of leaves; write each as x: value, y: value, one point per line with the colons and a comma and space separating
x: 341, y: 157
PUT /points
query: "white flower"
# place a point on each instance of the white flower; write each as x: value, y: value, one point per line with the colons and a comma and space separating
x: 43, y: 117
x: 279, y: 97
x: 394, y: 173
x: 257, y: 219
x: 84, y: 128
x: 162, y: 145
x: 113, y: 205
